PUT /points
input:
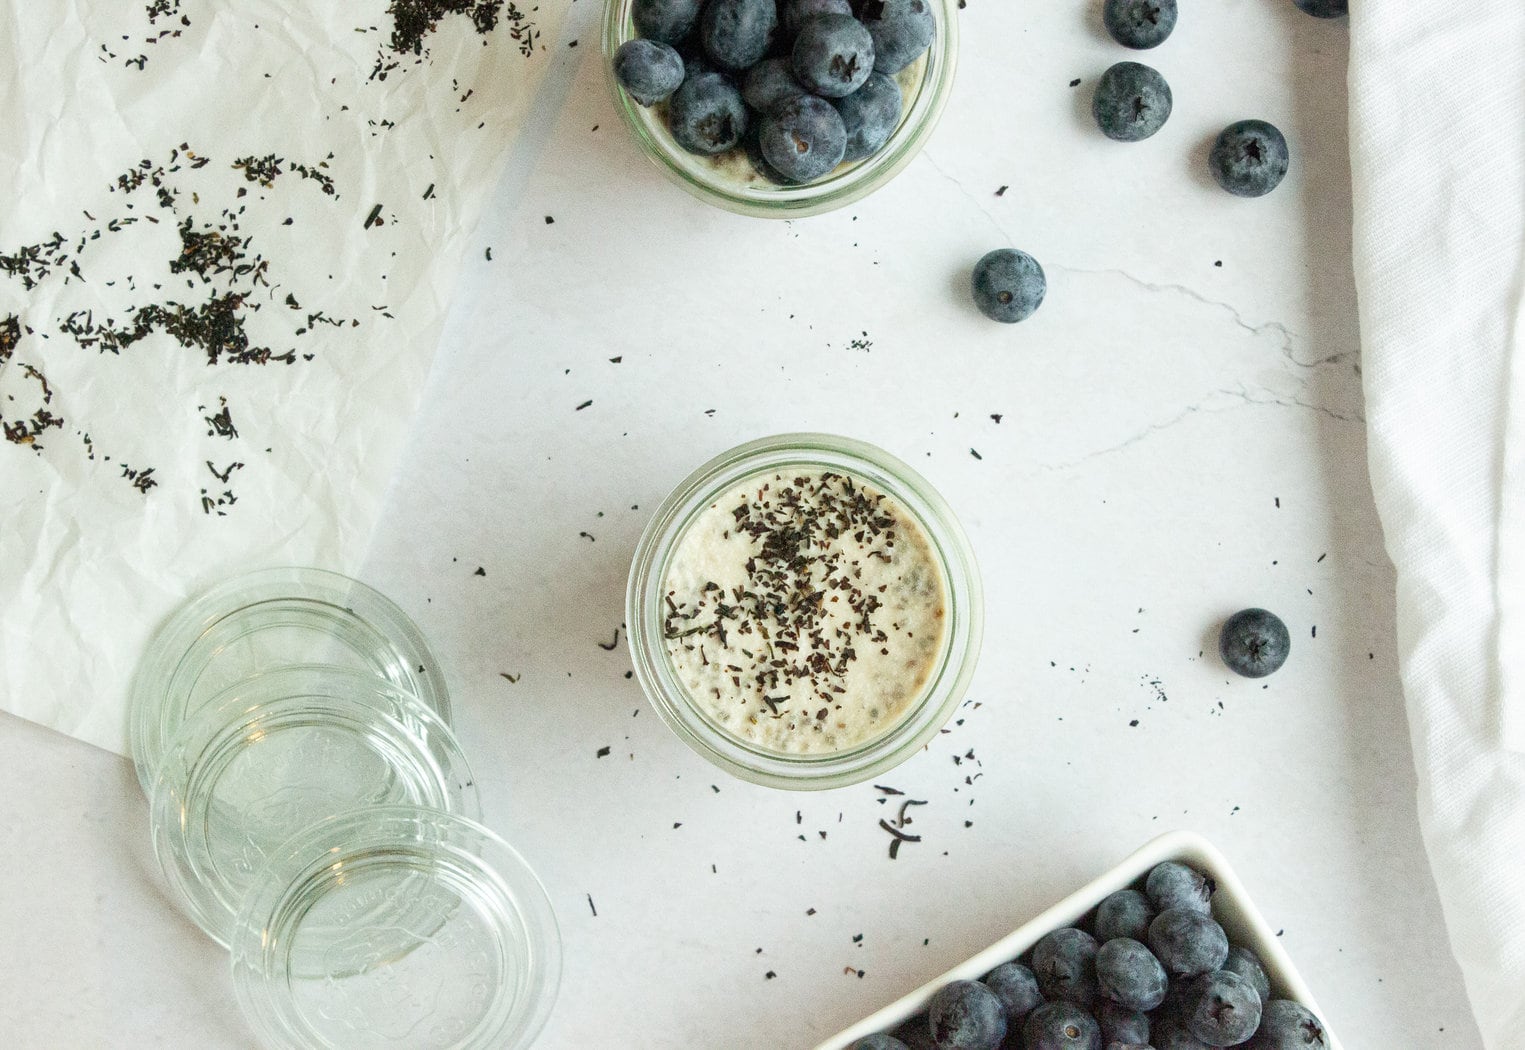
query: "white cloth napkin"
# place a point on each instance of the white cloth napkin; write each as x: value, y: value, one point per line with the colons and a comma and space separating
x: 1437, y: 122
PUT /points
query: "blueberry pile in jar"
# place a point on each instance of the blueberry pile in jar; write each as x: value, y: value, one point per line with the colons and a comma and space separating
x: 797, y: 87
x: 1150, y: 970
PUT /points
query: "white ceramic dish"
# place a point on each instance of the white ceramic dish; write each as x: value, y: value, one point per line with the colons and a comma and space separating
x: 1231, y: 907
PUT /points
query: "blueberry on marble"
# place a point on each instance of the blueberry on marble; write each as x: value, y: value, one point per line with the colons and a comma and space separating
x: 1008, y: 285
x: 1254, y: 643
x: 833, y: 55
x: 1122, y: 1025
x: 796, y: 13
x: 648, y: 70
x: 1128, y: 974
x: 736, y: 33
x: 1223, y: 1009
x: 1324, y: 8
x: 1247, y: 964
x: 965, y: 1015
x: 878, y: 1042
x: 770, y: 82
x: 1285, y: 1025
x: 1187, y: 942
x: 901, y: 30
x: 870, y: 115
x: 1139, y: 24
x: 1172, y: 884
x: 803, y: 138
x: 707, y: 115
x: 666, y: 21
x: 1126, y: 913
x: 1017, y: 988
x: 1131, y: 103
x: 1064, y: 962
x: 1249, y: 159
x: 1061, y: 1026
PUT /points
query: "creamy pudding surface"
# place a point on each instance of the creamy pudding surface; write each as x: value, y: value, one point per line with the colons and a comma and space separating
x: 804, y: 611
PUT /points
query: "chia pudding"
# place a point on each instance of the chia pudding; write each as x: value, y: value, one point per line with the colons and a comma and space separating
x: 804, y: 611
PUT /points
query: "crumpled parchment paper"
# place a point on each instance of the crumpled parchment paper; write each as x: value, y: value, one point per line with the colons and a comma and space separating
x: 227, y: 245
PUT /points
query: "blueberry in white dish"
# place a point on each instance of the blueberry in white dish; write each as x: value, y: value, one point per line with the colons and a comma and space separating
x: 1286, y: 1025
x: 1139, y: 24
x: 1017, y: 988
x: 1247, y: 964
x: 707, y: 115
x: 648, y: 70
x: 1222, y: 1009
x: 1187, y: 942
x: 1132, y: 102
x: 1250, y: 158
x: 1061, y: 1026
x: 1122, y: 1025
x: 965, y: 1015
x: 1064, y: 962
x: 1254, y: 643
x: 1128, y: 974
x: 901, y: 30
x: 1171, y: 884
x: 1008, y: 285
x: 803, y: 138
x: 1126, y: 913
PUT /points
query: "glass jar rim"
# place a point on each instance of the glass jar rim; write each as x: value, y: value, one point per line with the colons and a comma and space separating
x: 946, y: 685
x: 834, y: 191
x: 187, y: 823
x: 398, y: 846
x: 180, y: 650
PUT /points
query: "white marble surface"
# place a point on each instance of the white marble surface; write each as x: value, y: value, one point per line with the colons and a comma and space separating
x: 1177, y: 439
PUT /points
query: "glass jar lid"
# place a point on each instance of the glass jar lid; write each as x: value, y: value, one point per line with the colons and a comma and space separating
x: 278, y: 753
x: 396, y: 927
x: 264, y: 621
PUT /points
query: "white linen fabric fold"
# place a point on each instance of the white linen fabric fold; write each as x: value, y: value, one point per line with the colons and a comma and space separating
x: 1437, y: 127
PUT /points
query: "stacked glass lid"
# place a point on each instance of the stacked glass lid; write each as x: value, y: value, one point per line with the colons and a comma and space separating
x: 313, y: 813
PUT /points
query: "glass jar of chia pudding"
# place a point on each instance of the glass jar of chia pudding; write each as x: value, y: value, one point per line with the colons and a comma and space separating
x: 730, y: 181
x: 804, y: 611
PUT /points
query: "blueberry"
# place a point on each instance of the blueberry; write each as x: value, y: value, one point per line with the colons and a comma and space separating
x: 1285, y: 1025
x: 1115, y: 1045
x: 796, y: 13
x: 1126, y: 913
x: 1132, y: 102
x: 916, y: 1034
x: 878, y: 1042
x: 1254, y: 643
x: 1223, y: 1009
x: 1122, y: 1025
x: 833, y: 55
x: 1065, y: 964
x: 1128, y: 974
x: 1139, y: 24
x: 965, y: 1015
x: 1008, y: 285
x: 648, y: 70
x: 1250, y: 159
x: 736, y: 33
x: 803, y: 138
x: 1324, y: 8
x: 1017, y: 988
x: 870, y: 115
x: 1061, y: 1026
x: 1175, y: 885
x: 761, y: 165
x: 666, y: 21
x: 707, y: 115
x: 768, y: 83
x: 902, y: 30
x: 1247, y: 964
x: 1187, y: 942
x: 1171, y: 1034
